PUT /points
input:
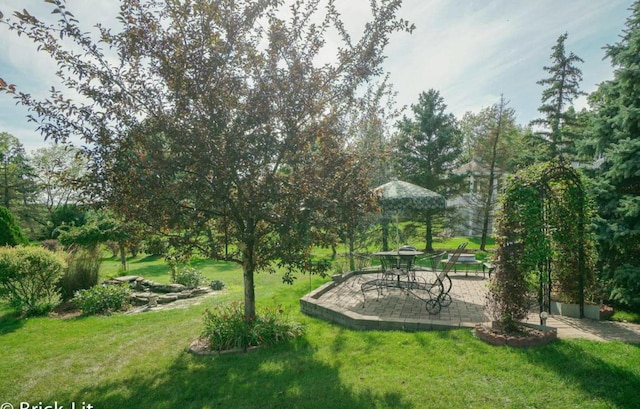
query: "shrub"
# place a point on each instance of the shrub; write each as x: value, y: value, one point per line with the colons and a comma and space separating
x: 187, y: 276
x: 226, y: 327
x: 216, y: 285
x: 29, y: 277
x: 102, y: 299
x: 82, y: 271
x: 10, y: 232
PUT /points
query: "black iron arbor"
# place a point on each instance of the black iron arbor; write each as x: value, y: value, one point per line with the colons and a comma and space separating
x: 544, y: 242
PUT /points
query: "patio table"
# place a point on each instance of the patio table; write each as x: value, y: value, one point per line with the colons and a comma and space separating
x: 398, y: 262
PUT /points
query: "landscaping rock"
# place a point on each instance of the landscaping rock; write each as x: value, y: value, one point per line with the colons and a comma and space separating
x: 200, y: 291
x: 167, y: 298
x: 167, y: 288
x: 184, y: 295
x: 127, y: 279
x: 150, y: 293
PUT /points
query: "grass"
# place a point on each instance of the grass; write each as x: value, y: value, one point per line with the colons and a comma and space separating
x: 138, y: 360
x: 626, y: 316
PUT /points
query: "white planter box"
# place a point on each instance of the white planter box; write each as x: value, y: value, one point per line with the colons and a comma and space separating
x: 573, y: 310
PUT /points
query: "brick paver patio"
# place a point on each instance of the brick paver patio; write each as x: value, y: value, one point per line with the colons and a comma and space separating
x: 343, y: 302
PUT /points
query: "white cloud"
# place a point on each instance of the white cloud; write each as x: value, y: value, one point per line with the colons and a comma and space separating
x: 469, y: 50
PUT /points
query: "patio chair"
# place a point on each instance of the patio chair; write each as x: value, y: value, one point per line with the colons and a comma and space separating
x: 435, y: 293
x: 393, y: 267
x: 443, y: 276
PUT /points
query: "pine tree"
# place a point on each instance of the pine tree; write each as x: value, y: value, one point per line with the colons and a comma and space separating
x: 562, y: 87
x: 429, y: 149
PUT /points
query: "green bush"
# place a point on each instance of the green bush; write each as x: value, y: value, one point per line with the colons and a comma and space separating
x: 82, y: 271
x: 216, y: 285
x: 102, y: 299
x: 29, y: 277
x: 10, y: 232
x: 187, y: 276
x: 226, y: 327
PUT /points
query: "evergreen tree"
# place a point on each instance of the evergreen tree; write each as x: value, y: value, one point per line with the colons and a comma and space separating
x: 10, y: 232
x: 429, y: 150
x: 15, y: 172
x: 617, y: 180
x: 562, y: 86
x: 18, y: 190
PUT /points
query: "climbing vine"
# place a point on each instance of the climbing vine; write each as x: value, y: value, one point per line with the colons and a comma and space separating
x: 545, y: 246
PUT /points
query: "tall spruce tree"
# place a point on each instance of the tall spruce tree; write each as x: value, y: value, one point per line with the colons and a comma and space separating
x: 429, y: 149
x: 562, y: 87
x: 617, y: 180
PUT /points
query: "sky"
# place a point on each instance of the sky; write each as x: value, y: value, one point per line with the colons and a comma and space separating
x: 471, y: 51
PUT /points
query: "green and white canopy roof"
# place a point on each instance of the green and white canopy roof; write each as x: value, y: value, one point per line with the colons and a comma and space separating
x: 398, y: 196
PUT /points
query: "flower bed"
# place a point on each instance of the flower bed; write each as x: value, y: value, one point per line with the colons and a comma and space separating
x: 531, y: 336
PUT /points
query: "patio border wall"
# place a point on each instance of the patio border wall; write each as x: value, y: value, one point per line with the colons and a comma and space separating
x: 312, y: 305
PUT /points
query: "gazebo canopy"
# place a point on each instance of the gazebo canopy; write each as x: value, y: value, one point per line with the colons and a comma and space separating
x: 399, y: 196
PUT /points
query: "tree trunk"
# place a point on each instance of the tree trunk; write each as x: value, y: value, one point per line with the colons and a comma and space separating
x: 385, y: 234
x: 6, y: 186
x: 248, y: 269
x: 352, y: 264
x: 429, y: 233
x: 489, y: 202
x: 123, y: 256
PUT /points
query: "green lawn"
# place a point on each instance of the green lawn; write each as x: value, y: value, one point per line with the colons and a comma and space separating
x: 139, y: 361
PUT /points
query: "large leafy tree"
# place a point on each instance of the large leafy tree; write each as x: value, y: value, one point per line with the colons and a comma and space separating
x: 429, y: 149
x: 371, y: 129
x: 617, y: 180
x: 562, y: 87
x: 58, y: 170
x: 203, y: 111
x: 496, y: 145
